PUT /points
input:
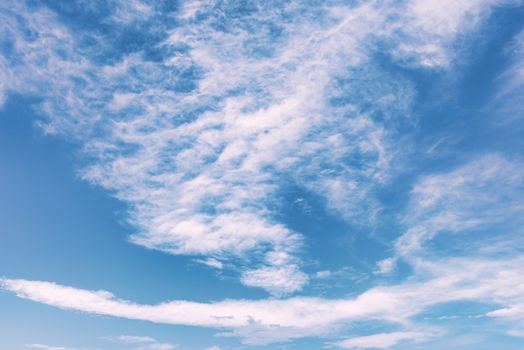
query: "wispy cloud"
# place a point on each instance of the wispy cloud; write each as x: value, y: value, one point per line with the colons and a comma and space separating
x: 132, y: 342
x: 279, y: 280
x: 431, y: 29
x: 134, y: 339
x: 143, y: 342
x: 492, y: 281
x: 131, y: 11
x: 382, y: 340
x: 512, y: 316
x: 200, y: 142
x: 483, y: 192
x: 510, y: 85
x: 49, y: 347
x: 386, y: 266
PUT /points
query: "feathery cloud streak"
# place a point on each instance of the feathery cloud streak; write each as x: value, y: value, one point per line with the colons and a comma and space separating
x: 201, y: 141
x: 484, y: 192
x: 381, y: 341
x: 496, y: 282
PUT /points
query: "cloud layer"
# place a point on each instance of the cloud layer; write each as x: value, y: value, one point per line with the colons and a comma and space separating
x: 200, y: 142
x: 202, y: 127
x: 495, y: 282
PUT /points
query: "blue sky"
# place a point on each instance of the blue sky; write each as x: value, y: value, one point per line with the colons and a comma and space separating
x: 219, y: 175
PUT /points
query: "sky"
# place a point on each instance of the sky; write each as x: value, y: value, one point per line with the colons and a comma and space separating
x: 228, y: 174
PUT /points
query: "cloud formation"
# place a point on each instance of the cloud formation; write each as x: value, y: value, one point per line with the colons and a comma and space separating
x: 381, y: 341
x: 132, y: 342
x: 202, y: 129
x: 200, y: 142
x: 49, y: 347
x: 143, y: 342
x: 490, y: 281
x: 482, y: 193
x: 448, y: 202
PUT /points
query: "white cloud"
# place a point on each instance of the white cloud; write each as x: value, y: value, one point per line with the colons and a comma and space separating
x: 510, y: 86
x: 432, y: 27
x: 483, y: 192
x: 513, y: 315
x: 516, y: 72
x: 45, y: 54
x: 47, y: 347
x: 323, y: 274
x: 134, y: 339
x: 201, y: 167
x: 50, y: 347
x: 278, y: 280
x: 492, y: 281
x: 450, y: 317
x: 205, y: 187
x: 131, y: 11
x: 386, y: 266
x: 132, y: 342
x: 211, y: 262
x: 191, y: 8
x: 200, y: 161
x: 142, y: 342
x: 157, y: 346
x: 382, y: 340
